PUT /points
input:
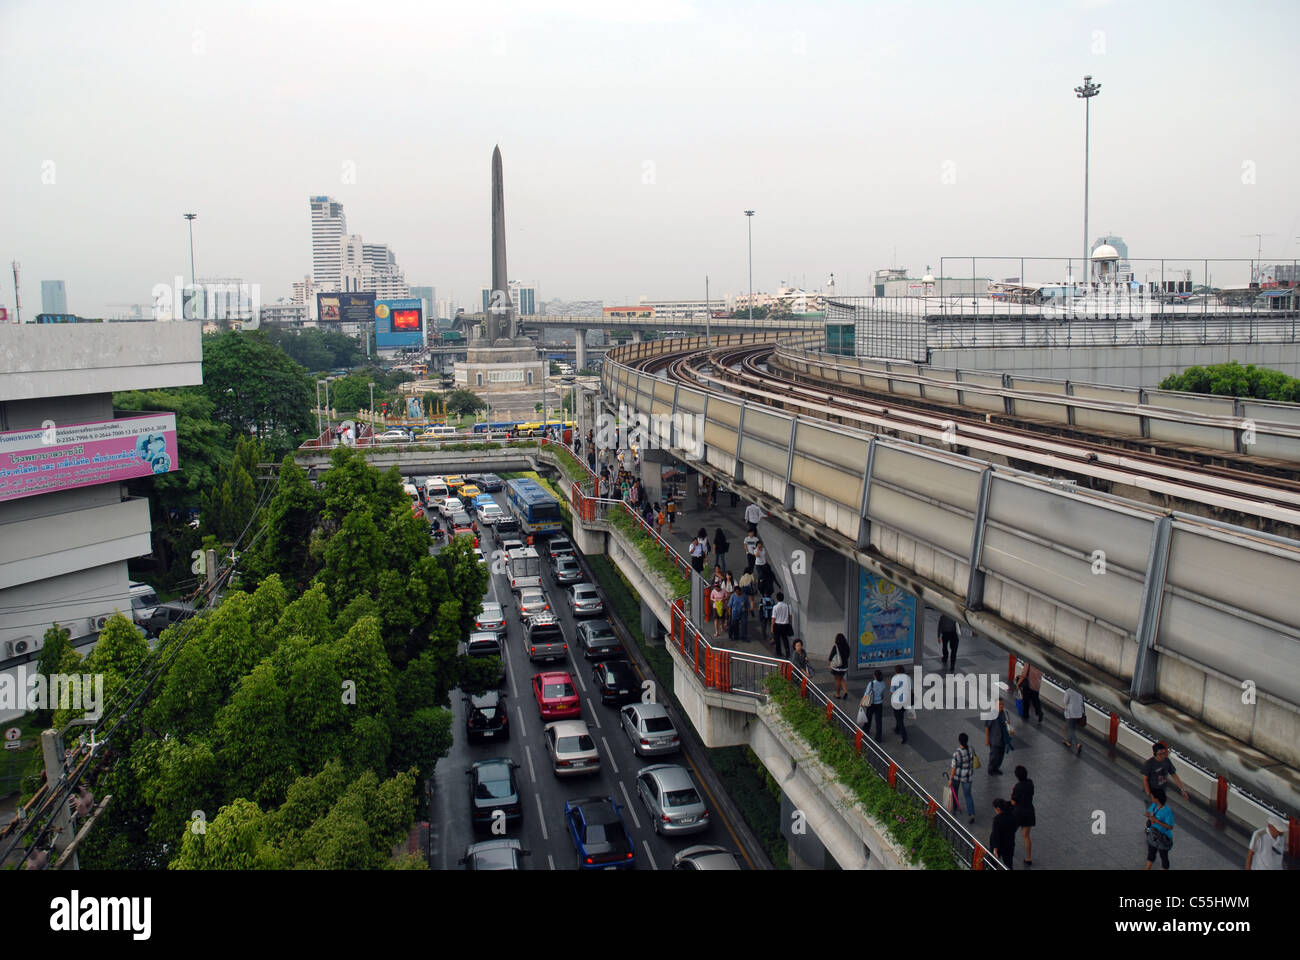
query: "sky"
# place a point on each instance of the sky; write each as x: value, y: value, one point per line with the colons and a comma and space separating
x: 633, y: 136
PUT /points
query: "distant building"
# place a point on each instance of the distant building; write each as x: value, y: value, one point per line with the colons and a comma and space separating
x: 328, y: 228
x: 1122, y: 265
x: 446, y: 309
x: 54, y: 297
x: 668, y: 311
x: 287, y: 314
x: 523, y: 298
x: 371, y: 268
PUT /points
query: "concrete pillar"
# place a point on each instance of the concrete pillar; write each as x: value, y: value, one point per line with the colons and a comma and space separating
x: 636, y: 335
x: 651, y: 628
x: 693, y: 501
x: 580, y: 349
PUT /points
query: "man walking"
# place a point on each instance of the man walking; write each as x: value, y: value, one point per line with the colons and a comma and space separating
x: 698, y: 549
x: 739, y: 609
x: 899, y: 699
x: 751, y: 544
x: 1073, y: 716
x: 948, y: 639
x: 753, y: 514
x: 1159, y: 770
x: 1030, y: 682
x: 1266, y: 846
x: 873, y: 699
x: 765, y: 607
x: 997, y: 735
x: 963, y: 765
x: 781, y: 627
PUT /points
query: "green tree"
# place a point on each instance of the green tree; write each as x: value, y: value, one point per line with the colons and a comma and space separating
x: 464, y: 403
x: 292, y: 516
x: 555, y: 369
x: 231, y: 505
x: 352, y: 393
x: 1233, y: 380
x: 257, y: 389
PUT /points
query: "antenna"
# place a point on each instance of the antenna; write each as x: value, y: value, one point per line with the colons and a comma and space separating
x: 1259, y: 252
x: 18, y: 294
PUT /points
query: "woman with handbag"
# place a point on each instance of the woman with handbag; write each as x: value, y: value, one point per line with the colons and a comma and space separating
x: 839, y: 664
x: 1160, y: 829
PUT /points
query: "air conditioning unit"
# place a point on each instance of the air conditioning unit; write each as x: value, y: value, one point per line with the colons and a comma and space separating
x: 22, y: 646
x: 99, y: 623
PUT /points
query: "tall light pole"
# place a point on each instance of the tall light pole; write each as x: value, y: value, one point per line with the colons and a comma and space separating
x: 708, y: 315
x: 372, y: 409
x: 749, y: 216
x: 191, y: 217
x: 1086, y: 93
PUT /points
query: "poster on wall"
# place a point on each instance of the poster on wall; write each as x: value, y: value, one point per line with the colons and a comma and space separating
x: 886, y: 622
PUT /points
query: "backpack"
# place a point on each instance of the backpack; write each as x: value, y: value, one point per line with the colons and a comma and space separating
x: 765, y: 607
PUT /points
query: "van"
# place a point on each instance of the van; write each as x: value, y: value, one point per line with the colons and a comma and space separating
x: 523, y: 569
x: 435, y: 492
x: 143, y: 601
x: 439, y: 431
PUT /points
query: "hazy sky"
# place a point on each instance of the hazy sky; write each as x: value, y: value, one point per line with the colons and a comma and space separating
x: 634, y: 134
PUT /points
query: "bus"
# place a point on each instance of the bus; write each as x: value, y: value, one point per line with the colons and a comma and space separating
x: 537, y: 510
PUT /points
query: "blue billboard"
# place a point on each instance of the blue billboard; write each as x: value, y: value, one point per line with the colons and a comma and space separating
x: 399, y: 323
x: 886, y: 622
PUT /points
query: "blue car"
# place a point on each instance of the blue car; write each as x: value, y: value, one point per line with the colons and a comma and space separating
x: 599, y: 834
x: 481, y: 499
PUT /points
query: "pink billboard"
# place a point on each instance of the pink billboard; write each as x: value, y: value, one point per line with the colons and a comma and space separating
x: 57, y: 457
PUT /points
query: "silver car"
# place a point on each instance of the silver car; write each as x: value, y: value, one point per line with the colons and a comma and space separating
x: 670, y: 797
x: 705, y: 857
x: 650, y: 729
x: 568, y: 570
x: 492, y: 618
x: 571, y: 747
x: 584, y: 600
x: 532, y: 600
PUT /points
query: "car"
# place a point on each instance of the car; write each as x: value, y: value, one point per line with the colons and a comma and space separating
x: 598, y: 640
x: 486, y: 644
x: 451, y: 505
x: 505, y: 853
x: 706, y: 857
x: 491, y: 483
x: 489, y: 514
x: 508, y: 526
x: 558, y: 547
x: 492, y: 617
x: 650, y: 729
x: 617, y: 681
x: 567, y: 570
x: 572, y: 750
x: 670, y: 797
x: 461, y: 524
x: 454, y: 482
x: 165, y: 615
x: 584, y: 600
x: 509, y: 544
x: 486, y: 717
x: 532, y: 601
x: 144, y: 600
x: 557, y: 697
x: 478, y: 553
x: 440, y: 432
x: 468, y: 492
x: 393, y: 436
x: 493, y: 788
x: 544, y: 638
x: 599, y: 835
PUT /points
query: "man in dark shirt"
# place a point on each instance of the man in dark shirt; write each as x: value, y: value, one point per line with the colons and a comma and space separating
x: 1002, y: 841
x: 1159, y: 770
x: 948, y: 638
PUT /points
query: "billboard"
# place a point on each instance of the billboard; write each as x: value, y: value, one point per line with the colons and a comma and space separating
x: 53, y: 457
x: 399, y: 323
x: 886, y: 622
x: 345, y: 307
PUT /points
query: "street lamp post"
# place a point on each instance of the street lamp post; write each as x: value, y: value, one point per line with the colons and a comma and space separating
x: 749, y: 217
x: 372, y: 409
x: 1086, y: 93
x: 190, y: 217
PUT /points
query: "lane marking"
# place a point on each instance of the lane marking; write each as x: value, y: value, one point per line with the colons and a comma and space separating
x: 531, y: 772
x: 550, y: 860
x: 610, y: 753
x: 653, y: 865
x: 713, y: 805
x: 578, y: 673
x: 630, y: 808
x: 595, y: 712
x: 523, y: 731
x: 541, y: 817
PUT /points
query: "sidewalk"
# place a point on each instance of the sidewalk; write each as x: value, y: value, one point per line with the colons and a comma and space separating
x: 1090, y: 809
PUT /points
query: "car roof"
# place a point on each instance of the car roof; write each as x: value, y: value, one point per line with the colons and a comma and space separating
x: 555, y: 676
x: 644, y: 710
x: 596, y: 809
x: 569, y: 728
x: 493, y: 764
x: 707, y: 852
x: 489, y: 698
x: 491, y: 605
x: 484, y: 636
x: 591, y: 626
x: 585, y: 586
x: 671, y: 776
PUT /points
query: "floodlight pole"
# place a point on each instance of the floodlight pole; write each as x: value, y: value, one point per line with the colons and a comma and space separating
x: 1086, y: 93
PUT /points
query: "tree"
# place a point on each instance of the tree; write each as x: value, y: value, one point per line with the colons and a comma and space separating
x: 256, y: 389
x: 464, y: 403
x: 537, y: 408
x: 292, y: 516
x: 1233, y: 380
x: 555, y: 369
x: 567, y: 403
x: 231, y: 505
x: 352, y: 393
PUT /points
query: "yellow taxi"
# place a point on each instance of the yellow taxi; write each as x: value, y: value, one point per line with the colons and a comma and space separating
x: 455, y: 481
x: 469, y: 492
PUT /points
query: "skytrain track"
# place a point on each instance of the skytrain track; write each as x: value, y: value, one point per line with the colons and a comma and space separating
x: 1266, y: 502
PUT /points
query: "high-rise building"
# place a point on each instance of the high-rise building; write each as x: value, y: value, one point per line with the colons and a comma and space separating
x: 54, y: 297
x: 524, y: 299
x: 370, y: 268
x: 430, y: 297
x: 328, y: 228
x: 447, y: 308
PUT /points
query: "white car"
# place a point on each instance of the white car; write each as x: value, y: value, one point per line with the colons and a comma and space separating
x: 451, y: 506
x: 393, y: 436
x: 490, y: 513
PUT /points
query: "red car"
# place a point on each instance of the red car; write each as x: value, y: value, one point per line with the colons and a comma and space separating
x: 557, y: 698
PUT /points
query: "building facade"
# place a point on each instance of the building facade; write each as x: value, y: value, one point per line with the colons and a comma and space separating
x: 523, y: 298
x: 328, y: 228
x: 54, y: 297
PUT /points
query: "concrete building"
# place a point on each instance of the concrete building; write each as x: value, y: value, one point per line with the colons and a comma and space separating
x: 54, y: 297
x: 670, y: 310
x: 296, y: 315
x: 328, y: 228
x: 522, y: 298
x: 1121, y: 252
x: 65, y: 539
x: 370, y: 268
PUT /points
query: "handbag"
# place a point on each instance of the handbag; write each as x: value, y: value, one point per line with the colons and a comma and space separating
x: 1158, y: 838
x: 975, y: 760
x: 1083, y: 720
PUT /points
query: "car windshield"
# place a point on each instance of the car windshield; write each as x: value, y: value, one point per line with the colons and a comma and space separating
x: 604, y: 632
x: 582, y: 744
x: 493, y: 789
x: 497, y: 859
x: 658, y: 724
x: 586, y: 594
x: 553, y: 690
x: 681, y: 798
x: 484, y: 648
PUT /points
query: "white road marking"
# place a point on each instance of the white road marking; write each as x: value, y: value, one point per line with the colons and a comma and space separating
x: 531, y: 772
x: 582, y: 683
x: 550, y: 860
x: 523, y: 731
x: 653, y: 865
x: 595, y: 713
x: 610, y: 753
x: 541, y: 817
x: 630, y: 808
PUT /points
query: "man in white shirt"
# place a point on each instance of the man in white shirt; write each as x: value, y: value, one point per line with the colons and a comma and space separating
x: 751, y: 544
x: 1266, y: 846
x: 781, y: 628
x: 1073, y: 713
x: 699, y: 547
x: 753, y: 514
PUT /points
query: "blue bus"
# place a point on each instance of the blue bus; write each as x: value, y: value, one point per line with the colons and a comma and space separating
x: 537, y: 510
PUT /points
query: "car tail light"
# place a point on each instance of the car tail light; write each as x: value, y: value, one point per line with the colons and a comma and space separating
x: 629, y: 855
x: 677, y: 739
x: 532, y: 649
x: 665, y: 818
x: 564, y: 763
x: 589, y: 860
x: 645, y: 743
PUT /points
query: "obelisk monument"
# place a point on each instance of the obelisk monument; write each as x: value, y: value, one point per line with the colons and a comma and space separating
x: 500, y: 311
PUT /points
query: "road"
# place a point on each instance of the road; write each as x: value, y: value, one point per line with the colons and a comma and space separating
x: 543, y: 831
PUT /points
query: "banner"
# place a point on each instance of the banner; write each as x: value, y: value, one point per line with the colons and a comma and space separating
x: 886, y: 622
x: 53, y: 457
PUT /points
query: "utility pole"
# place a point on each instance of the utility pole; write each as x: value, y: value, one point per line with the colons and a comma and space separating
x: 749, y: 215
x: 372, y: 409
x: 1086, y: 93
x: 18, y: 294
x: 56, y: 772
x: 708, y: 315
x: 191, y: 217
x: 1259, y: 253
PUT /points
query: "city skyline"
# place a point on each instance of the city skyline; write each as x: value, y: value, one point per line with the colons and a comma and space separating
x: 646, y: 133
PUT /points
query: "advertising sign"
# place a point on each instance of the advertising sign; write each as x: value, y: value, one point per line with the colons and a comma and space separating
x: 886, y: 622
x: 54, y: 457
x: 345, y: 307
x: 399, y: 323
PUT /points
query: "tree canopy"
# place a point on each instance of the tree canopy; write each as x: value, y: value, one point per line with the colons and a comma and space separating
x: 1233, y: 380
x: 256, y: 389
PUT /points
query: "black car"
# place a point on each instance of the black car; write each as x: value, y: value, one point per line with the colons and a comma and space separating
x: 486, y: 645
x: 598, y: 640
x: 491, y: 483
x: 492, y: 788
x: 164, y: 615
x: 617, y: 682
x: 485, y: 717
x: 558, y: 547
x: 504, y: 854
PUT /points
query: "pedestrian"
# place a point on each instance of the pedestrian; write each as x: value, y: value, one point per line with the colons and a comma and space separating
x: 948, y: 639
x: 720, y: 547
x: 899, y: 699
x: 728, y: 583
x: 782, y: 629
x: 747, y: 588
x: 1266, y: 846
x: 839, y: 664
x: 1159, y: 770
x: 660, y: 518
x: 765, y: 607
x: 751, y: 544
x: 718, y: 597
x: 739, y: 607
x: 761, y: 567
x: 1073, y: 720
x: 1002, y: 841
x: 1160, y: 829
x: 698, y: 548
x: 1022, y: 799
x: 734, y: 497
x: 648, y: 513
x: 997, y: 737
x: 1030, y: 682
x: 672, y: 514
x: 753, y: 514
x: 963, y: 771
x: 799, y: 657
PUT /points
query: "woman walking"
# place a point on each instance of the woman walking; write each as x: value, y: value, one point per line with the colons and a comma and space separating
x: 1022, y: 799
x: 1160, y: 829
x: 718, y: 597
x: 799, y: 657
x: 839, y: 664
x: 720, y: 548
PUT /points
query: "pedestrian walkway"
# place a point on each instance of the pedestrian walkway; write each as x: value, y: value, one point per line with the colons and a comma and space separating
x: 1089, y: 808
